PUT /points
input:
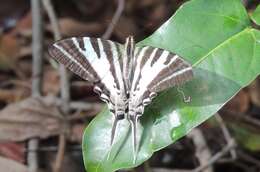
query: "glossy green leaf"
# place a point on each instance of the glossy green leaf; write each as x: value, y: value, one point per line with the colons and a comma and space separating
x: 256, y: 15
x: 215, y: 37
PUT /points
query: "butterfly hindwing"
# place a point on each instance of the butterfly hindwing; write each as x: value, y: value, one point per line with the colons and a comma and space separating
x: 156, y: 70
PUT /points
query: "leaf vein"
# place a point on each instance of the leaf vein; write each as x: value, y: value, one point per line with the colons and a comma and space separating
x: 219, y: 46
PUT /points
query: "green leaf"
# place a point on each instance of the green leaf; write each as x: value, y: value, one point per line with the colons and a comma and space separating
x: 215, y: 37
x: 256, y: 15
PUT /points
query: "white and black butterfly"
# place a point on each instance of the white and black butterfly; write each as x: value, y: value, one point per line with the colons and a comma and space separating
x: 126, y: 77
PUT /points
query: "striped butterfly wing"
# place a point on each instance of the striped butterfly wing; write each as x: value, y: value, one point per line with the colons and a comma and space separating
x: 154, y: 70
x: 99, y: 62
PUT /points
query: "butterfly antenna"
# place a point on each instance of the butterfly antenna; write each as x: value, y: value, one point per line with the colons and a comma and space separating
x: 185, y: 99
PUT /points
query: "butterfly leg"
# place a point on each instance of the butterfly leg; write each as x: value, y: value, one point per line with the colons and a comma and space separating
x: 185, y: 99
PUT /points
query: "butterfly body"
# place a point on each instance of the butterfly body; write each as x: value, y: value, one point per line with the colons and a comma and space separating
x: 126, y: 77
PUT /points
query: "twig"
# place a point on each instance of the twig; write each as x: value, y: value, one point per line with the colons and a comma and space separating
x: 216, y: 157
x: 241, y: 117
x: 226, y: 134
x: 202, y: 149
x: 246, y: 157
x: 37, y: 48
x: 64, y: 83
x: 118, y: 13
x: 53, y: 19
x: 37, y: 53
x: 60, y: 153
x: 32, y: 158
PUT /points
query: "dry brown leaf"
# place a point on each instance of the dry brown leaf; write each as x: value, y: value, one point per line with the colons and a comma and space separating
x: 15, y: 94
x: 158, y: 15
x: 126, y: 26
x: 24, y: 25
x: 72, y: 27
x: 77, y: 131
x: 51, y: 81
x: 14, y: 151
x: 8, y: 165
x: 8, y: 51
x: 32, y: 117
x: 147, y: 3
x: 254, y: 91
x: 10, y: 44
x: 97, y: 7
x: 239, y: 103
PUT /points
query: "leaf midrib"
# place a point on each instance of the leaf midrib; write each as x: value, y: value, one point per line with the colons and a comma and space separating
x: 220, y: 45
x: 225, y: 16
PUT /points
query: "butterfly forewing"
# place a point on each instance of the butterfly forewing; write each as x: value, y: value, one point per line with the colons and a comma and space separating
x: 98, y: 61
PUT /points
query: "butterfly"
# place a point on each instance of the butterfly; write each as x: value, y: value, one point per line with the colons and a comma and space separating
x: 124, y: 76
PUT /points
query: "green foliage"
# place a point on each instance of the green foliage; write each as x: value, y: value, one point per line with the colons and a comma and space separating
x: 213, y: 35
x: 256, y: 15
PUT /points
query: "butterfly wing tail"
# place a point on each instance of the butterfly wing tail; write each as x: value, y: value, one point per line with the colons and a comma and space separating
x: 113, y: 132
x: 133, y: 121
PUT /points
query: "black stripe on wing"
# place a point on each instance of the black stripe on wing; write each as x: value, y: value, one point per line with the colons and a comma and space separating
x: 128, y: 61
x: 93, y: 59
x: 107, y: 47
x: 176, y: 73
x: 165, y: 70
x: 67, y: 53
